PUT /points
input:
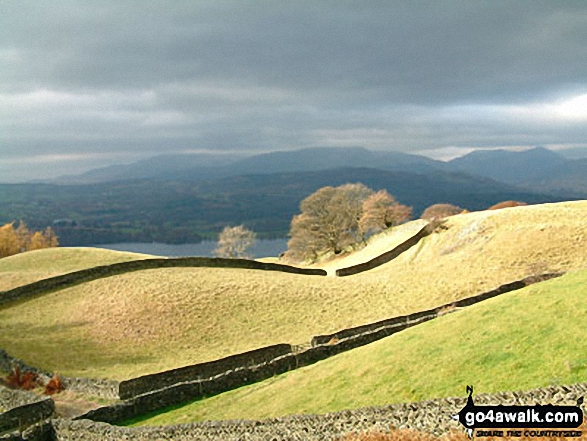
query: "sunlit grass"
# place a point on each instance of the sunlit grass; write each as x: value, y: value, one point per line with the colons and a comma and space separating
x: 147, y: 321
x: 525, y: 339
x: 31, y: 266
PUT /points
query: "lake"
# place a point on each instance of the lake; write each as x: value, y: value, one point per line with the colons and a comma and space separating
x: 262, y: 248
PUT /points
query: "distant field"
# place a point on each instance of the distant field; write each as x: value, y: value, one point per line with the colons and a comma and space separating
x: 147, y: 321
x: 31, y: 266
x: 525, y: 339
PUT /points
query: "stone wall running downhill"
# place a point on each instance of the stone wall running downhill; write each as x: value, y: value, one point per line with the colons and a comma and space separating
x: 163, y: 390
x: 388, y: 256
x: 407, y: 321
x: 157, y: 391
x: 432, y: 416
x: 71, y: 279
x: 148, y: 383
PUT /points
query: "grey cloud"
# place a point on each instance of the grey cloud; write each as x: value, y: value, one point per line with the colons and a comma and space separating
x: 150, y: 76
x: 423, y: 51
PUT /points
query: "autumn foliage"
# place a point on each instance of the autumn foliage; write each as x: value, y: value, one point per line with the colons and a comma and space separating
x: 20, y: 239
x: 440, y: 211
x: 30, y: 380
x: 335, y: 218
x: 23, y: 380
x: 54, y: 386
x: 507, y: 204
x: 381, y: 211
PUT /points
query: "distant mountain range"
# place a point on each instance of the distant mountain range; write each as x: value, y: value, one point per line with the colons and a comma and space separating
x: 176, y: 211
x: 538, y: 169
x: 187, y: 198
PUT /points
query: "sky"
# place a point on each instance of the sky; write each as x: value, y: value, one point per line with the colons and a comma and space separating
x: 85, y: 84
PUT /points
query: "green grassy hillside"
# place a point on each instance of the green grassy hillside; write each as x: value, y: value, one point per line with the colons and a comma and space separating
x: 31, y: 266
x: 147, y: 321
x: 525, y: 339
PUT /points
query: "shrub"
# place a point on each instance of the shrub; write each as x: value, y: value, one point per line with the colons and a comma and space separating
x: 507, y: 204
x: 54, y: 386
x: 440, y: 211
x: 19, y: 380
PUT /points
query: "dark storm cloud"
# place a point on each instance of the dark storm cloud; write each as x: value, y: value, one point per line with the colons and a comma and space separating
x: 138, y: 77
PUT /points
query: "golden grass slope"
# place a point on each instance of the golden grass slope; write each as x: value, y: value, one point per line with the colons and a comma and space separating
x: 521, y: 340
x: 147, y: 321
x: 32, y: 266
x: 376, y: 245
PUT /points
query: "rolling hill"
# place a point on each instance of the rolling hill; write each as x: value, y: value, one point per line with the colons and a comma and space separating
x: 32, y: 266
x: 522, y: 340
x: 125, y: 325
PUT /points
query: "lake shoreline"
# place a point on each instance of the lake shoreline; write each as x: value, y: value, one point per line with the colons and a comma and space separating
x: 262, y: 248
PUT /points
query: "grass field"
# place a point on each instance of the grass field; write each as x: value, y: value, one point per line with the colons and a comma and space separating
x: 376, y: 245
x: 525, y: 339
x: 147, y: 321
x: 31, y: 266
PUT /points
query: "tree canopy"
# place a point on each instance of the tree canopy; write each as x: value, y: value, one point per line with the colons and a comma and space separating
x: 334, y: 218
x: 21, y: 239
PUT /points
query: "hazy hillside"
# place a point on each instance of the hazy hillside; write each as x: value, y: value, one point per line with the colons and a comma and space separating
x: 538, y: 169
x: 125, y: 325
x: 576, y: 153
x: 181, y: 211
x: 198, y: 167
x: 329, y: 158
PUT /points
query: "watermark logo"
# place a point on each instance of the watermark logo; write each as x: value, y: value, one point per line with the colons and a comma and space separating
x: 474, y: 417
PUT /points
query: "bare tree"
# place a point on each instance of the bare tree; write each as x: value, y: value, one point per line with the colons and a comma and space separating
x: 381, y: 211
x: 440, y: 211
x: 306, y: 241
x: 234, y: 242
x: 24, y: 237
x: 329, y: 222
x: 51, y: 237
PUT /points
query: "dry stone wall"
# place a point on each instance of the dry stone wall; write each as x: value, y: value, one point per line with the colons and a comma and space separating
x: 402, y: 322
x: 38, y: 432
x: 432, y: 416
x: 67, y: 280
x: 11, y: 398
x: 154, y: 392
x: 19, y: 408
x: 389, y: 255
x: 149, y: 383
